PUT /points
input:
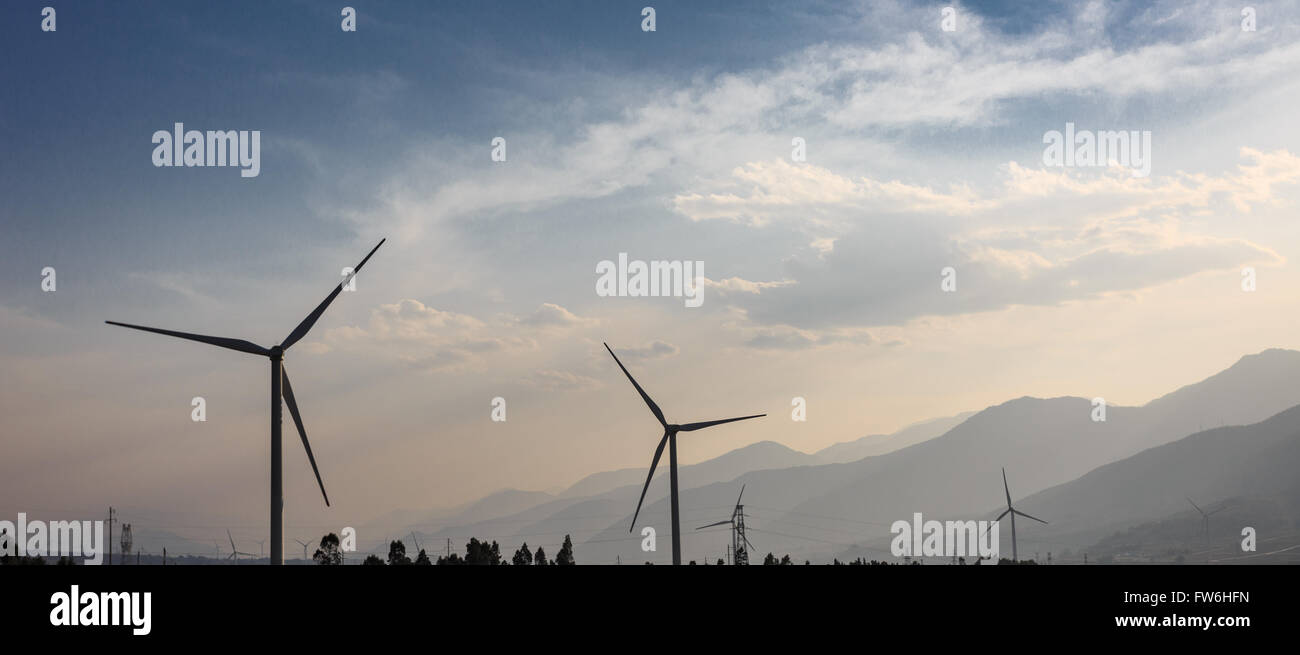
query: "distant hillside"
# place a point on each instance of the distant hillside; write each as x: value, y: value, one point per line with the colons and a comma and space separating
x: 821, y: 510
x: 1180, y: 538
x: 879, y: 444
x: 1252, y: 462
x: 591, y: 503
x: 754, y: 457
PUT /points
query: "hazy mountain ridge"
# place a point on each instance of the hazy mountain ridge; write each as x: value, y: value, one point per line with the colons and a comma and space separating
x: 574, y: 507
x: 1041, y: 442
x: 755, y: 456
x: 818, y: 510
x: 879, y: 444
x: 1239, y: 462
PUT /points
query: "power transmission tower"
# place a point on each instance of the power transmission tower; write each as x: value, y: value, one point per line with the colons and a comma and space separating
x: 740, y: 544
x: 126, y: 541
x: 111, y: 518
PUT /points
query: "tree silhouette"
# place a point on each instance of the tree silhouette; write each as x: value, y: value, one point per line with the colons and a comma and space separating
x: 328, y: 554
x: 397, y: 554
x: 423, y: 559
x: 539, y: 559
x: 565, y: 557
x: 373, y: 560
x: 479, y: 552
x: 523, y: 556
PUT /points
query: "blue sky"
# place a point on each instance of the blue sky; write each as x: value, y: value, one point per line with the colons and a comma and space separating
x: 924, y: 151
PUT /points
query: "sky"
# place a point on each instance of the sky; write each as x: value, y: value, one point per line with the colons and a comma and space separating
x: 924, y: 150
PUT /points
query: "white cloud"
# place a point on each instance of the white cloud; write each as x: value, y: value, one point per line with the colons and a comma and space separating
x: 653, y: 350
x: 554, y: 316
x: 553, y: 380
x: 424, y: 337
x: 918, y: 80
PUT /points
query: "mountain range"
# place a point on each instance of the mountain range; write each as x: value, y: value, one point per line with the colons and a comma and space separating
x: 822, y: 505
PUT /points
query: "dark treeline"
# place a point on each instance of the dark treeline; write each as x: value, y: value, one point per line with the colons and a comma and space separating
x: 476, y: 553
x: 481, y: 553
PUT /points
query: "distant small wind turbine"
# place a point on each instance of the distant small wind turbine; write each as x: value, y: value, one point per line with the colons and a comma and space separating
x: 739, y: 542
x: 281, y: 393
x: 1205, y: 517
x: 234, y: 552
x: 1013, y: 512
x: 304, y: 545
x: 669, y: 438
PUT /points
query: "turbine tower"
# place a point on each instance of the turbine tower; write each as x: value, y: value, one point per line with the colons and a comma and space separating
x: 280, y: 389
x: 739, y: 542
x: 1205, y: 518
x: 669, y: 439
x: 1013, y: 512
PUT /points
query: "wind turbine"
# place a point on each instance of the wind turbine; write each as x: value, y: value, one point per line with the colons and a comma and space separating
x: 304, y: 545
x: 1205, y: 517
x: 1013, y: 512
x: 234, y: 553
x: 418, y: 549
x: 280, y: 388
x: 739, y: 542
x: 669, y: 438
x: 261, y: 551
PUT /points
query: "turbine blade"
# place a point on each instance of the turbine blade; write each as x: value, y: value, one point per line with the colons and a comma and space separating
x: 1005, y: 487
x: 302, y: 432
x: 232, y: 540
x: 658, y: 451
x: 711, y: 525
x: 747, y: 542
x: 301, y: 331
x: 644, y: 396
x: 736, y: 511
x: 1198, y: 507
x: 999, y: 518
x: 233, y: 344
x: 1020, y: 513
x: 691, y: 427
